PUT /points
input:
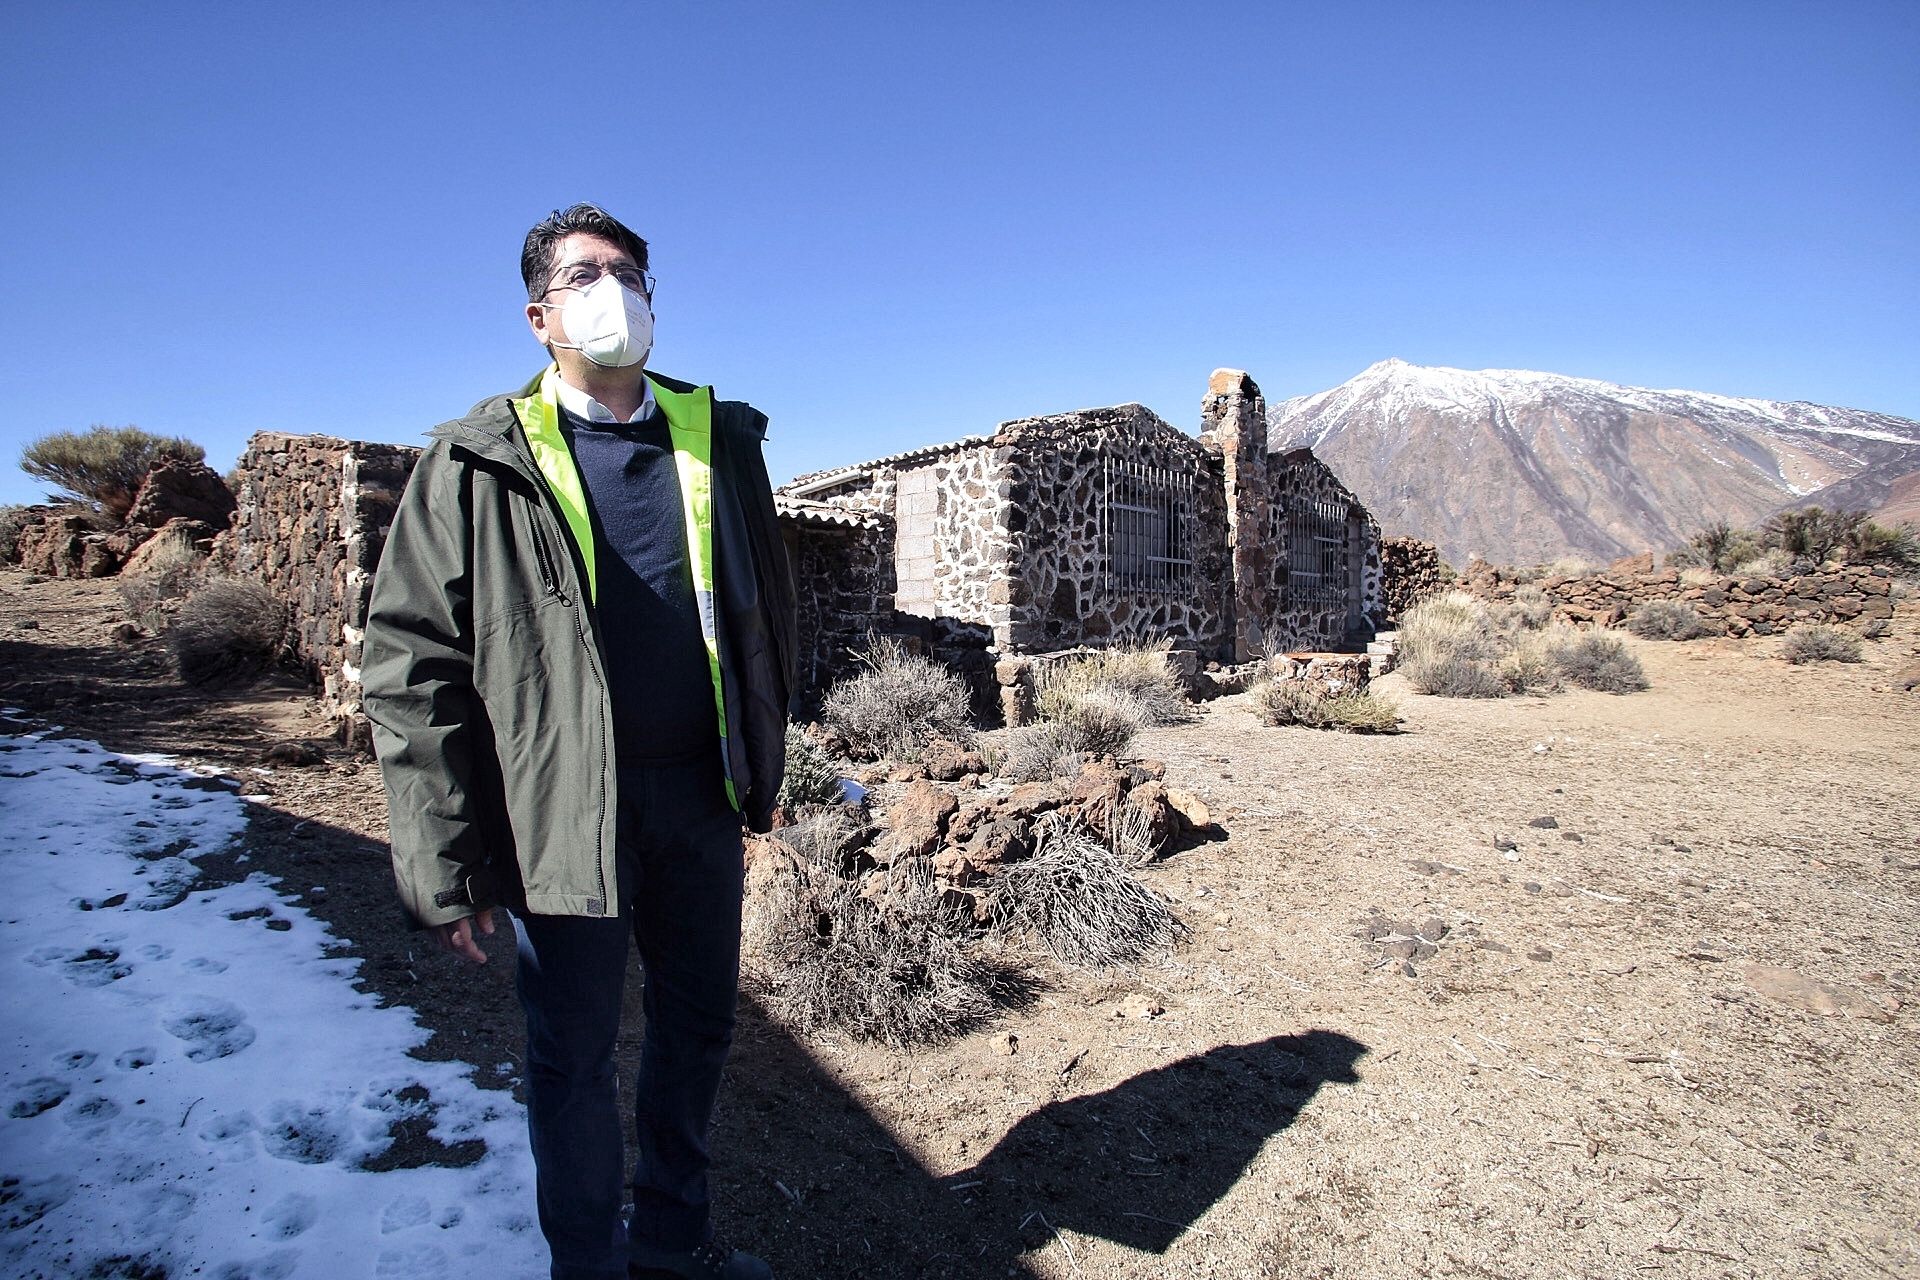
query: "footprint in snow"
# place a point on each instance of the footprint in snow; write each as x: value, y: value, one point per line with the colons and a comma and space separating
x: 91, y: 1111
x: 24, y: 1201
x: 91, y: 967
x: 77, y: 1060
x: 212, y: 1028
x: 277, y: 1265
x: 407, y: 1211
x: 291, y: 1215
x: 308, y: 1135
x: 226, y: 1135
x: 412, y: 1261
x: 202, y: 964
x: 135, y: 1059
x: 29, y: 1098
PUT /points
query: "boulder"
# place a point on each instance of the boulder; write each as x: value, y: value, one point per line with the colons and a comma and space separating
x: 1193, y: 811
x: 176, y: 488
x: 68, y: 547
x: 181, y: 537
x: 916, y: 823
x: 946, y: 761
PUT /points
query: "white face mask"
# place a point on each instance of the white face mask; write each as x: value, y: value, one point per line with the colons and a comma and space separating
x: 609, y: 323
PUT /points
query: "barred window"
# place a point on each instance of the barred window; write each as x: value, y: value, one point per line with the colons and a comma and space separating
x: 1316, y: 542
x: 1145, y: 514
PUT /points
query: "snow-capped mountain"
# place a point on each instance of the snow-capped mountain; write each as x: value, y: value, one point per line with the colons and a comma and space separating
x: 1524, y: 467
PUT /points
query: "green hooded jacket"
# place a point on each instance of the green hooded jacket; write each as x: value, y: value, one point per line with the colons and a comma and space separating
x: 482, y: 675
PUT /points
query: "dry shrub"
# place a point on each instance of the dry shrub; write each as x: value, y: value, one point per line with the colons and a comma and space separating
x: 1455, y: 676
x: 172, y: 575
x: 1308, y: 705
x: 1130, y: 834
x: 1531, y: 609
x: 1135, y: 677
x: 226, y: 631
x: 1775, y: 562
x: 1450, y: 625
x: 1819, y: 642
x: 1530, y: 668
x: 1667, y: 620
x: 1102, y: 723
x: 1599, y: 661
x: 899, y: 704
x: 825, y: 958
x: 1695, y: 575
x: 1078, y: 898
x: 811, y: 777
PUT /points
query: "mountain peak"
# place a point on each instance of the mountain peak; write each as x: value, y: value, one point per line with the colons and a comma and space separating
x: 1524, y: 466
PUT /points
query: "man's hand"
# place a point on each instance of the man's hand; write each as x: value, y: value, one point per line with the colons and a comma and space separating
x: 457, y: 937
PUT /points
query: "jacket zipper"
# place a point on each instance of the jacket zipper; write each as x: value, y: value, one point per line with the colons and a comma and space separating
x: 543, y: 556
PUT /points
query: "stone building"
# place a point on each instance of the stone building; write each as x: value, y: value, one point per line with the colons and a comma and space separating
x: 1073, y: 529
x: 1087, y: 528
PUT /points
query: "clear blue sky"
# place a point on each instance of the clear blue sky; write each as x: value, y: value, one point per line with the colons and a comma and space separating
x: 892, y: 224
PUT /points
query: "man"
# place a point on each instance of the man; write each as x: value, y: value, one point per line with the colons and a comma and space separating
x: 577, y: 663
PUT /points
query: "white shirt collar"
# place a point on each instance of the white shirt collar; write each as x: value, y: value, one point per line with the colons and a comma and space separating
x: 583, y: 406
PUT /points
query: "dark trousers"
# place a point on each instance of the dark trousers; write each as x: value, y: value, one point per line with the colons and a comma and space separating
x: 680, y: 887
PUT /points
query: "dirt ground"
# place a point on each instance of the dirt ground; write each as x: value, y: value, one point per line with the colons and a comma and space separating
x: 1670, y: 1030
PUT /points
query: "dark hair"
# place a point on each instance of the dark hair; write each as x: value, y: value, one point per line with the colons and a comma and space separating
x: 536, y: 257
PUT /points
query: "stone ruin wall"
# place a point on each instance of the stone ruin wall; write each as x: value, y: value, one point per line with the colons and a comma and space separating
x: 312, y: 519
x: 844, y: 580
x: 955, y: 510
x: 1060, y: 594
x: 1857, y: 596
x: 1410, y: 571
x: 1300, y: 625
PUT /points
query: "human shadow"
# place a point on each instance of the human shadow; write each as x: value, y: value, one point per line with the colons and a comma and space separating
x: 839, y: 1194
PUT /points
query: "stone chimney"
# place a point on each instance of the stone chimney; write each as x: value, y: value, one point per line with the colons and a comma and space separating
x: 1233, y: 421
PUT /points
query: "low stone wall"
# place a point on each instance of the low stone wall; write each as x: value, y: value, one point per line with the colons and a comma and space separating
x: 1410, y: 571
x: 312, y: 519
x: 1858, y: 596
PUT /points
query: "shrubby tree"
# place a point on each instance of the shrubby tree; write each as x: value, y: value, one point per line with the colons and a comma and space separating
x: 103, y: 466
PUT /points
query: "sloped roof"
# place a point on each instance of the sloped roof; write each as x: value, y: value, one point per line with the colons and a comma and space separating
x: 803, y: 511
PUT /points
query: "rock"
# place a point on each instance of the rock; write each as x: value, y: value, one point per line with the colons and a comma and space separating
x: 1504, y: 843
x: 1150, y: 798
x: 1139, y: 1007
x: 174, y: 540
x: 946, y: 761
x: 176, y: 488
x: 1545, y: 823
x: 1030, y: 799
x: 67, y: 546
x: 1001, y: 841
x: 1540, y: 953
x: 1642, y: 563
x: 1006, y: 1044
x: 1147, y: 771
x: 294, y: 753
x: 1193, y: 811
x: 1433, y: 928
x: 912, y: 771
x: 1908, y: 678
x: 916, y: 823
x: 1798, y: 991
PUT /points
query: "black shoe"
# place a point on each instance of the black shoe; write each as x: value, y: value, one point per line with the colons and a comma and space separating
x: 711, y: 1261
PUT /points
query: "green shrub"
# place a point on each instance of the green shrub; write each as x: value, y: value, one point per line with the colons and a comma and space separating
x: 1810, y: 533
x: 1896, y: 546
x: 898, y: 705
x: 1719, y: 547
x: 1667, y: 620
x: 1599, y: 661
x: 1819, y: 642
x: 102, y: 465
x: 13, y: 522
x: 226, y: 631
x: 811, y: 777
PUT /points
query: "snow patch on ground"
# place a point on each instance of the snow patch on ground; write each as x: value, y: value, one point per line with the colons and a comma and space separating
x: 188, y: 1081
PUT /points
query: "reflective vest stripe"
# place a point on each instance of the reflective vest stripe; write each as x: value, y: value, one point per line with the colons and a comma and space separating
x: 690, y: 425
